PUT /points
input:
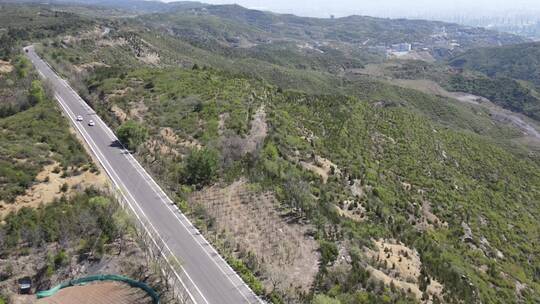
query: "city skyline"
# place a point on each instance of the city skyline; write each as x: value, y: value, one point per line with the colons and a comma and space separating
x: 390, y: 8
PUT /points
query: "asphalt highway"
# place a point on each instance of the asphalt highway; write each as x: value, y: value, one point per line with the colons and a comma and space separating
x: 197, y: 265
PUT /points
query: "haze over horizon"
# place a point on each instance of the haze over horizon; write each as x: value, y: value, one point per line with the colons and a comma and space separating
x: 388, y: 8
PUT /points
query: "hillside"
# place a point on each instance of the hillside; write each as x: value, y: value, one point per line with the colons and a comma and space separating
x: 508, y: 75
x: 312, y: 167
x: 236, y: 30
x: 516, y: 95
x: 356, y: 29
x: 311, y: 172
x: 316, y: 182
x: 519, y: 61
x: 138, y: 6
x: 58, y: 219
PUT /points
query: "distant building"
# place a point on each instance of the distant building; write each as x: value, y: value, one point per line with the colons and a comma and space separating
x: 401, y: 47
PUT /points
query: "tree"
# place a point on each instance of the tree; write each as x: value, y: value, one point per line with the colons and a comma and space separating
x: 22, y: 66
x: 37, y: 93
x: 6, y: 47
x: 329, y: 252
x: 200, y: 167
x: 132, y: 134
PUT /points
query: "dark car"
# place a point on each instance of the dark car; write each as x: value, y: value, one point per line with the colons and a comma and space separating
x: 25, y: 285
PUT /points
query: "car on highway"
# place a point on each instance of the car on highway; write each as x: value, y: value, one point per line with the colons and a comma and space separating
x: 91, y: 123
x: 79, y: 118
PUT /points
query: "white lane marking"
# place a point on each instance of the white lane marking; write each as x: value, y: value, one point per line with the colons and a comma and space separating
x: 160, y: 193
x: 146, y: 175
x: 206, y: 243
x: 112, y: 173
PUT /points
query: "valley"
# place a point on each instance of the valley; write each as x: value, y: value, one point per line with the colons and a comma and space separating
x: 321, y: 167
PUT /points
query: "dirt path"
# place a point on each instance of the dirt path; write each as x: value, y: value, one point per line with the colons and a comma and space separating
x: 258, y: 132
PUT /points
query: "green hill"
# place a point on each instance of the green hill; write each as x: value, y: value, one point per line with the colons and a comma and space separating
x: 403, y: 196
x: 466, y: 178
x: 521, y: 61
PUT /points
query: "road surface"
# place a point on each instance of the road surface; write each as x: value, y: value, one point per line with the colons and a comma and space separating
x: 206, y: 276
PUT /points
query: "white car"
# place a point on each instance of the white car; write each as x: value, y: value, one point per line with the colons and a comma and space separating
x: 91, y: 123
x: 79, y: 118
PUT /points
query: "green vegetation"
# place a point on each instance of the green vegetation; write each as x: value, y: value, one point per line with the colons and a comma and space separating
x: 329, y: 252
x: 32, y: 131
x: 506, y: 92
x: 521, y: 61
x: 194, y: 121
x: 87, y: 217
x: 465, y: 176
x: 132, y: 134
x: 25, y: 23
x: 32, y: 138
x: 459, y: 169
x: 246, y: 275
x: 37, y: 94
x: 240, y: 21
x: 511, y: 76
x: 323, y: 299
x: 200, y: 167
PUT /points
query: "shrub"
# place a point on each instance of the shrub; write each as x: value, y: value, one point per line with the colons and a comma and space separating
x: 246, y: 274
x: 60, y: 259
x: 37, y: 93
x: 132, y: 134
x: 322, y: 299
x: 201, y: 167
x: 329, y: 252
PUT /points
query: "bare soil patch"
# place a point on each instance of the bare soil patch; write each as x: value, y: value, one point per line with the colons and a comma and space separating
x: 321, y: 166
x: 414, y: 55
x: 90, y: 66
x: 221, y: 124
x: 234, y: 146
x: 125, y: 258
x: 48, y: 188
x: 149, y: 58
x: 5, y: 67
x: 352, y: 209
x: 393, y: 263
x: 112, y: 42
x: 99, y: 293
x: 171, y: 138
x: 138, y: 110
x: 248, y: 220
x: 258, y: 132
x: 120, y: 114
x: 428, y: 220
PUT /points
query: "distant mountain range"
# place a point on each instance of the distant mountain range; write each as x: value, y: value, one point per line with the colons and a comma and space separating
x: 131, y: 5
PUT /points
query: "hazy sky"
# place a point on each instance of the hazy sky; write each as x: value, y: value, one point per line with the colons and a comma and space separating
x: 387, y: 8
